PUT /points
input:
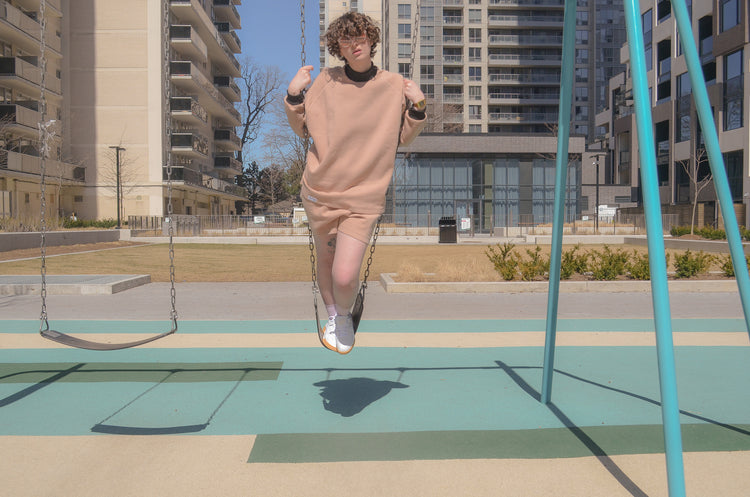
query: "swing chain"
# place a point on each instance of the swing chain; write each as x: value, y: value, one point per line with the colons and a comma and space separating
x: 369, y: 258
x: 44, y: 149
x: 168, y: 139
x: 415, y: 30
x: 302, y: 40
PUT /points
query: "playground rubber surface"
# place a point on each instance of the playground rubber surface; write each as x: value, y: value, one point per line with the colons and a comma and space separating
x: 422, y: 407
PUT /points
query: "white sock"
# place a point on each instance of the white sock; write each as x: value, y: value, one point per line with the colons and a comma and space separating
x: 331, y: 311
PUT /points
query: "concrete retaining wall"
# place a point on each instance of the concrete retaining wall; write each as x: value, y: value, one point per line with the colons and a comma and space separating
x: 17, y: 241
x: 720, y: 246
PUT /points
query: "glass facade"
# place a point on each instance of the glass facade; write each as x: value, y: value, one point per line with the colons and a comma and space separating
x: 495, y: 191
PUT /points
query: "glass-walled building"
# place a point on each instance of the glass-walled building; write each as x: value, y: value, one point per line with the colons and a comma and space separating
x: 488, y: 180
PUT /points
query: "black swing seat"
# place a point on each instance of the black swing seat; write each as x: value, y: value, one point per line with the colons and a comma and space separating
x: 80, y: 343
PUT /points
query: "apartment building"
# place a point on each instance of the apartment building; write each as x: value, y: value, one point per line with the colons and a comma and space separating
x: 106, y: 78
x: 21, y: 91
x: 115, y: 71
x: 721, y: 29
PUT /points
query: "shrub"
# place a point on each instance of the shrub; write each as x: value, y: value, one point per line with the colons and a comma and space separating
x: 572, y: 262
x: 638, y: 266
x: 711, y: 234
x: 679, y: 230
x: 608, y: 264
x: 504, y: 261
x: 535, y: 266
x: 688, y: 264
x: 726, y: 266
x: 89, y: 223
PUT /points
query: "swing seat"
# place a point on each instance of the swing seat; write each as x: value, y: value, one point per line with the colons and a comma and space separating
x: 81, y: 343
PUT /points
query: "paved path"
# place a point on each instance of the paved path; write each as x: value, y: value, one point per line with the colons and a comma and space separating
x: 438, y: 398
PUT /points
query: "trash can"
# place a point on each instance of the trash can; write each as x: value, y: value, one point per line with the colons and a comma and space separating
x: 447, y: 227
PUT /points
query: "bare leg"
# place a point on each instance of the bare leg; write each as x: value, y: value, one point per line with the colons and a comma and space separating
x: 339, y: 263
x: 345, y: 272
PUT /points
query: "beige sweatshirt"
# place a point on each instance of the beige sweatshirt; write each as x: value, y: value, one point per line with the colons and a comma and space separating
x: 354, y: 128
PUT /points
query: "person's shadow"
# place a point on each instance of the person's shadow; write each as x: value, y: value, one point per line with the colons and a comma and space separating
x: 350, y: 396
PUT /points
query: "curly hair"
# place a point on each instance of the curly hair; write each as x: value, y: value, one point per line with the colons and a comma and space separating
x: 351, y: 24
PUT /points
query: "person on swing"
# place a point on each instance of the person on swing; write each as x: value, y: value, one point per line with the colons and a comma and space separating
x: 356, y: 116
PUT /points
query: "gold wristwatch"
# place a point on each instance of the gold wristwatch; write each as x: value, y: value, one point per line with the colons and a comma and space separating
x: 420, y: 106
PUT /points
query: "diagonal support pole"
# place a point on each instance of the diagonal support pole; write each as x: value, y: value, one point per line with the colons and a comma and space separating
x: 715, y: 159
x: 561, y: 175
x: 656, y: 255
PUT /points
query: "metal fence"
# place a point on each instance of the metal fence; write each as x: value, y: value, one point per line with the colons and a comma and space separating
x: 281, y: 225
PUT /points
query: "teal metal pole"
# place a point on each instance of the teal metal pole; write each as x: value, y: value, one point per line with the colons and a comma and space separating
x: 657, y: 259
x: 715, y: 159
x: 561, y: 175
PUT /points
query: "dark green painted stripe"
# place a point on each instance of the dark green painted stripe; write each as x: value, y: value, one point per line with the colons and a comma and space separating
x: 512, y: 444
x: 154, y: 372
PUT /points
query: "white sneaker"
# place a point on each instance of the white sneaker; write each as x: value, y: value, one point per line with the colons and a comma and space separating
x: 328, y: 337
x: 344, y: 334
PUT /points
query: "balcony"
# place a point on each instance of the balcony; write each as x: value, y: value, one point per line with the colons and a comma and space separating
x: 25, y: 32
x: 185, y: 40
x: 453, y: 60
x: 453, y: 20
x: 22, y: 74
x: 227, y: 139
x: 230, y: 36
x: 526, y: 40
x: 453, y: 98
x: 528, y: 117
x: 187, y: 77
x: 529, y: 3
x: 551, y: 79
x: 189, y: 144
x: 187, y: 110
x: 225, y: 11
x: 524, y: 60
x: 453, y: 40
x: 228, y: 163
x: 524, y: 97
x: 454, y: 79
x: 228, y: 88
x: 195, y: 13
x: 20, y: 119
x: 31, y: 164
x: 525, y: 20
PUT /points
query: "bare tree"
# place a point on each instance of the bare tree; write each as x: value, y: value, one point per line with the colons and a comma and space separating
x: 284, y: 148
x: 128, y: 173
x: 438, y: 117
x: 271, y: 184
x: 260, y: 91
x: 699, y: 178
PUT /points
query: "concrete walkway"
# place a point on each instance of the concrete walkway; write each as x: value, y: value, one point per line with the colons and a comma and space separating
x: 438, y: 398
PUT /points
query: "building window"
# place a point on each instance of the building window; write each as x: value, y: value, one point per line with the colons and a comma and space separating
x: 730, y: 14
x: 663, y: 10
x: 733, y: 89
x: 582, y: 75
x: 475, y: 93
x: 582, y: 56
x: 475, y: 54
x: 429, y: 91
x: 427, y: 33
x: 648, y: 18
x: 581, y: 94
x: 404, y: 50
x: 404, y: 31
x: 475, y: 74
x: 582, y: 18
x: 475, y: 35
x: 682, y: 108
x: 426, y: 52
x: 404, y: 69
x: 475, y: 128
x: 427, y: 13
x: 475, y: 16
x: 427, y: 72
x: 475, y: 112
x: 582, y: 37
x: 404, y: 11
x: 733, y: 164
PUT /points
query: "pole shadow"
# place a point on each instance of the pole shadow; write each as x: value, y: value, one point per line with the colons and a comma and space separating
x: 605, y: 460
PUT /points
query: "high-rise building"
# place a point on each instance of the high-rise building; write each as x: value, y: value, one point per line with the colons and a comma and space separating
x: 721, y: 29
x: 106, y: 88
x: 21, y: 94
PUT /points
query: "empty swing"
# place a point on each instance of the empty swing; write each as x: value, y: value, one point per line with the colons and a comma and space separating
x: 45, y: 135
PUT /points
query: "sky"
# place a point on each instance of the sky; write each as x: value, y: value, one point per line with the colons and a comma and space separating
x: 270, y: 33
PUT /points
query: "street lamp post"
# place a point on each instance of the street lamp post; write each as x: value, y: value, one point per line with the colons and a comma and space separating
x: 117, y: 191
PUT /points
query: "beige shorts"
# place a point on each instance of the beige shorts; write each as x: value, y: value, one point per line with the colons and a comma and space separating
x: 326, y: 220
